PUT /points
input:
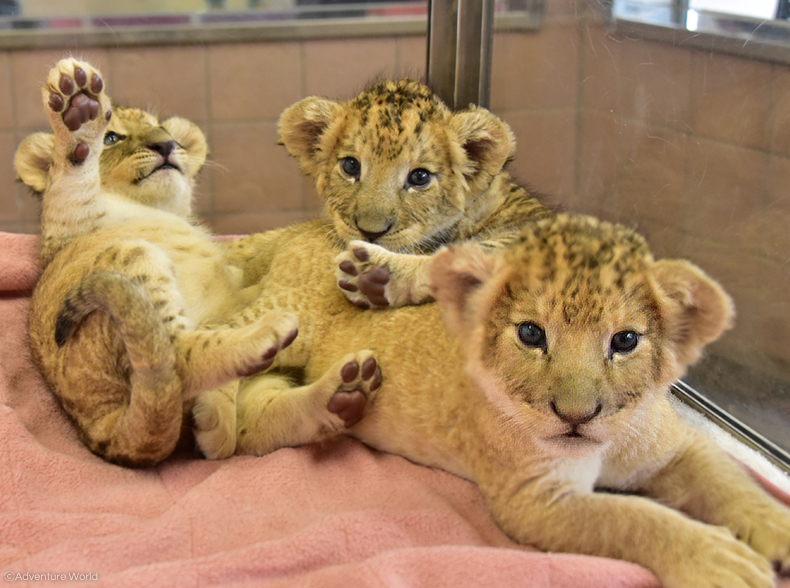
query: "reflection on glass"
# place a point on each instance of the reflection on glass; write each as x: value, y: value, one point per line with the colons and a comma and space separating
x: 693, y: 147
x: 65, y: 15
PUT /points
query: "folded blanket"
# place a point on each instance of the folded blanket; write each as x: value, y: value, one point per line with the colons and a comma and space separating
x: 18, y: 260
x: 335, y: 514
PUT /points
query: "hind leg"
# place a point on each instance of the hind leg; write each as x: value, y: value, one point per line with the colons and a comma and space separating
x: 214, y: 415
x: 210, y: 357
x: 206, y: 357
x: 272, y: 413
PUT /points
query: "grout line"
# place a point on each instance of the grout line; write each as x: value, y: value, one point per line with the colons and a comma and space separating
x: 209, y: 118
x: 582, y: 27
x: 303, y: 94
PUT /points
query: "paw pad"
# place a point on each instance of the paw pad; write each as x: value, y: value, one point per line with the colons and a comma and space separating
x: 349, y: 404
x: 75, y: 94
x: 348, y: 267
x: 372, y: 284
x: 364, y: 279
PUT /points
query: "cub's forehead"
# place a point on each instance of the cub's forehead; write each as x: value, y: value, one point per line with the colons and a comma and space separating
x: 580, y: 267
x: 385, y: 104
x: 124, y: 120
x: 394, y: 116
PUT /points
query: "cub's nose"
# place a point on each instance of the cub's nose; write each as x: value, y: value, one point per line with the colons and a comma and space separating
x: 164, y: 148
x: 576, y: 417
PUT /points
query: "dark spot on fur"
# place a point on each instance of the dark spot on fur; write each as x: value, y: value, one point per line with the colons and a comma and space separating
x: 133, y: 255
x: 65, y: 324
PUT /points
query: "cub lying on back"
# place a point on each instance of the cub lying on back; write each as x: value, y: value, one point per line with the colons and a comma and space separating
x: 119, y: 321
x: 401, y: 175
x: 555, y: 383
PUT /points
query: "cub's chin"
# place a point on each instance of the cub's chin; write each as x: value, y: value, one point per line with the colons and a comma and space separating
x: 167, y: 181
x: 572, y: 444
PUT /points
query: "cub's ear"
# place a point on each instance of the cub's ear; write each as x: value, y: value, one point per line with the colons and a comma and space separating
x: 33, y: 159
x: 302, y: 127
x: 456, y: 276
x: 697, y: 309
x: 191, y: 138
x: 487, y: 143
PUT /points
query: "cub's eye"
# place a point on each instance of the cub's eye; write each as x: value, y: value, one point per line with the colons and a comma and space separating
x: 532, y: 335
x: 351, y: 166
x: 111, y: 138
x: 418, y: 178
x: 623, y: 342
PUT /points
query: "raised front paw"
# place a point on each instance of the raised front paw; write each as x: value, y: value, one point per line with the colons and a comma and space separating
x: 364, y: 274
x: 78, y: 107
x: 359, y: 377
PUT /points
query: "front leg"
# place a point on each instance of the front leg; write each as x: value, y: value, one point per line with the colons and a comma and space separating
x: 708, y: 485
x: 683, y: 553
x: 79, y: 112
x: 373, y: 277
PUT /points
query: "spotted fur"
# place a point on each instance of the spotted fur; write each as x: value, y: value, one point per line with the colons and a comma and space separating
x: 126, y: 322
x: 542, y: 375
x: 393, y: 130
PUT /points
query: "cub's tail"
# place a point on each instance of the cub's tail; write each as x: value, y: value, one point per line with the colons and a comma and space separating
x: 144, y: 429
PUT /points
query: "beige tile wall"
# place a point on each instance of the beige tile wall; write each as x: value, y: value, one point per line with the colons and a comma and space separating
x: 236, y: 92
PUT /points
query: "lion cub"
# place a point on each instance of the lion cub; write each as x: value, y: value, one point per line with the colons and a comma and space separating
x: 550, y: 381
x: 120, y: 319
x: 401, y: 175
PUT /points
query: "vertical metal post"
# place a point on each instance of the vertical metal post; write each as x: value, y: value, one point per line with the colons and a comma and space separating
x: 442, y: 40
x: 680, y: 10
x: 459, y: 50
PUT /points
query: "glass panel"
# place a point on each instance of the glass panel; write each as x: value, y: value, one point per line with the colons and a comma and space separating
x: 690, y: 145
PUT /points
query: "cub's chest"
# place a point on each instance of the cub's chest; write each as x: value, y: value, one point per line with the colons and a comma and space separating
x: 582, y: 473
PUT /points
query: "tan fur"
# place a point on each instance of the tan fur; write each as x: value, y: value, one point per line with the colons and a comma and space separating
x: 391, y: 130
x: 120, y: 319
x: 538, y: 422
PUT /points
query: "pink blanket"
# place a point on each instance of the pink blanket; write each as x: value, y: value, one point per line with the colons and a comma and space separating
x: 337, y: 514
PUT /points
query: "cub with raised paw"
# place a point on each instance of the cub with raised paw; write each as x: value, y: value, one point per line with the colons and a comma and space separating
x: 400, y: 176
x: 543, y: 376
x: 128, y: 321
